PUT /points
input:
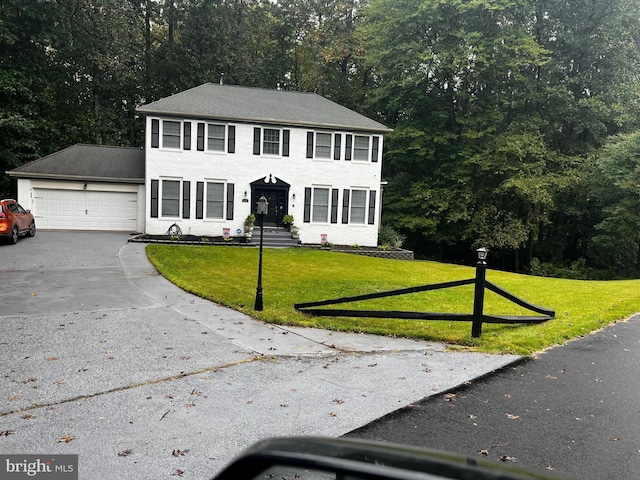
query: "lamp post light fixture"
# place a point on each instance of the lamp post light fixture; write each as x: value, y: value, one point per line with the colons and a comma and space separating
x: 478, y: 297
x: 262, y: 208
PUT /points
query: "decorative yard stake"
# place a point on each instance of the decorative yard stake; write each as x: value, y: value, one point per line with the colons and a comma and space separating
x: 477, y: 317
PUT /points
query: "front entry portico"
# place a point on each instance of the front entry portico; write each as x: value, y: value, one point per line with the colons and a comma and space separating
x: 277, y: 194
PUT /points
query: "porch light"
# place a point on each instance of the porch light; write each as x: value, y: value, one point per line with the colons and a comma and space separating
x: 262, y: 206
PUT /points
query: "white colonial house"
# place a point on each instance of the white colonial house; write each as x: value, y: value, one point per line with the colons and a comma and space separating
x: 212, y: 151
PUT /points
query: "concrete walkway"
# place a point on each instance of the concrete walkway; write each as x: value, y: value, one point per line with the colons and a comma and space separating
x: 142, y: 380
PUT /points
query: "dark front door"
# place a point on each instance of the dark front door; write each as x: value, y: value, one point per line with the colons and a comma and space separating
x: 277, y: 204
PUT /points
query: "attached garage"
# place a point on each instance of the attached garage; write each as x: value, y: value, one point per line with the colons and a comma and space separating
x: 85, y: 187
x: 83, y: 210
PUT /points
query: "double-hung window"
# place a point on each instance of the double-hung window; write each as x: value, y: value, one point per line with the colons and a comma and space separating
x: 170, y: 198
x: 216, y: 137
x: 170, y: 134
x: 271, y: 141
x: 361, y: 148
x: 323, y: 145
x: 358, y: 212
x: 215, y: 200
x: 320, y: 206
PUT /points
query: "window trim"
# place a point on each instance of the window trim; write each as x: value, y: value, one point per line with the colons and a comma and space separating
x: 314, y: 188
x: 364, y: 208
x: 330, y: 147
x: 225, y: 138
x: 367, y: 157
x: 163, y: 135
x: 207, y: 182
x: 161, y: 197
x: 263, y: 142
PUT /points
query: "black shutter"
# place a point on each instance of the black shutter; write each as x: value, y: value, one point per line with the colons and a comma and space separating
x: 375, y: 148
x: 337, y: 146
x: 230, y: 196
x: 309, y: 144
x: 200, y: 137
x: 231, y: 142
x: 187, y: 136
x: 256, y: 140
x: 345, y: 205
x: 186, y: 199
x: 372, y: 207
x: 347, y: 148
x: 155, y: 133
x: 334, y: 205
x: 154, y: 198
x: 285, y: 142
x: 199, y: 199
x: 307, y: 204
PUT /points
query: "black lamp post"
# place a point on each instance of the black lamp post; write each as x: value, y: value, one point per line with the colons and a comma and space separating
x: 478, y: 298
x: 261, y: 211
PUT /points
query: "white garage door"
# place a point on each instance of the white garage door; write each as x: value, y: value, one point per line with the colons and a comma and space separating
x: 85, y: 210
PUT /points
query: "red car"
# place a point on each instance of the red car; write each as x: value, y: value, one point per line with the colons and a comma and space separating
x: 15, y: 221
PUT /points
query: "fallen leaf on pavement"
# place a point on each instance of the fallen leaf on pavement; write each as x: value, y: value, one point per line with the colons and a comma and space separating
x: 179, y: 453
x: 6, y: 433
x: 507, y: 458
x: 66, y: 439
x: 178, y: 473
x: 484, y: 452
x: 512, y: 416
x: 124, y: 453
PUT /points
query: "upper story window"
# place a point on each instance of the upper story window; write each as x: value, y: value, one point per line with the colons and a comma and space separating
x: 271, y: 141
x: 216, y: 137
x: 169, y: 130
x: 323, y: 145
x: 360, y: 148
x: 176, y: 134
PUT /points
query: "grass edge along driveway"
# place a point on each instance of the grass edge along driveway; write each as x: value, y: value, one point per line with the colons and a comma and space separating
x: 228, y: 276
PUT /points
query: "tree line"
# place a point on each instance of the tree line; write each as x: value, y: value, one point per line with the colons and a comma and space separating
x: 516, y: 122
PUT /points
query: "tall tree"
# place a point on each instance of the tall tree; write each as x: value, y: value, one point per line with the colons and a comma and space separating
x: 25, y: 30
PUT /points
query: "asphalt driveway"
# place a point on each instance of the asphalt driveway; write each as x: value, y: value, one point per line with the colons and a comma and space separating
x: 56, y: 272
x: 102, y: 357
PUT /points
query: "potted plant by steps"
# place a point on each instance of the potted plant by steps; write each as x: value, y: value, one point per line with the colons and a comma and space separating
x: 249, y: 223
x: 295, y: 231
x: 287, y: 220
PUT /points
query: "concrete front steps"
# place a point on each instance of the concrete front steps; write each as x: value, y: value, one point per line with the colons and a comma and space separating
x: 274, y: 237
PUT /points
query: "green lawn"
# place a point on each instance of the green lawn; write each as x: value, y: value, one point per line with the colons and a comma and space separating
x: 228, y: 276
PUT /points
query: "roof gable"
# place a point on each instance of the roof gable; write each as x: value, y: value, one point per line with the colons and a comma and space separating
x: 258, y: 105
x: 87, y: 162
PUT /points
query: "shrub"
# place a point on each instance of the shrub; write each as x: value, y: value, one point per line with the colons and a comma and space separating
x: 390, y: 238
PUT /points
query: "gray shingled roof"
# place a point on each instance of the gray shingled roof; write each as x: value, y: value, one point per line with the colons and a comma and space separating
x: 258, y: 105
x: 87, y: 162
